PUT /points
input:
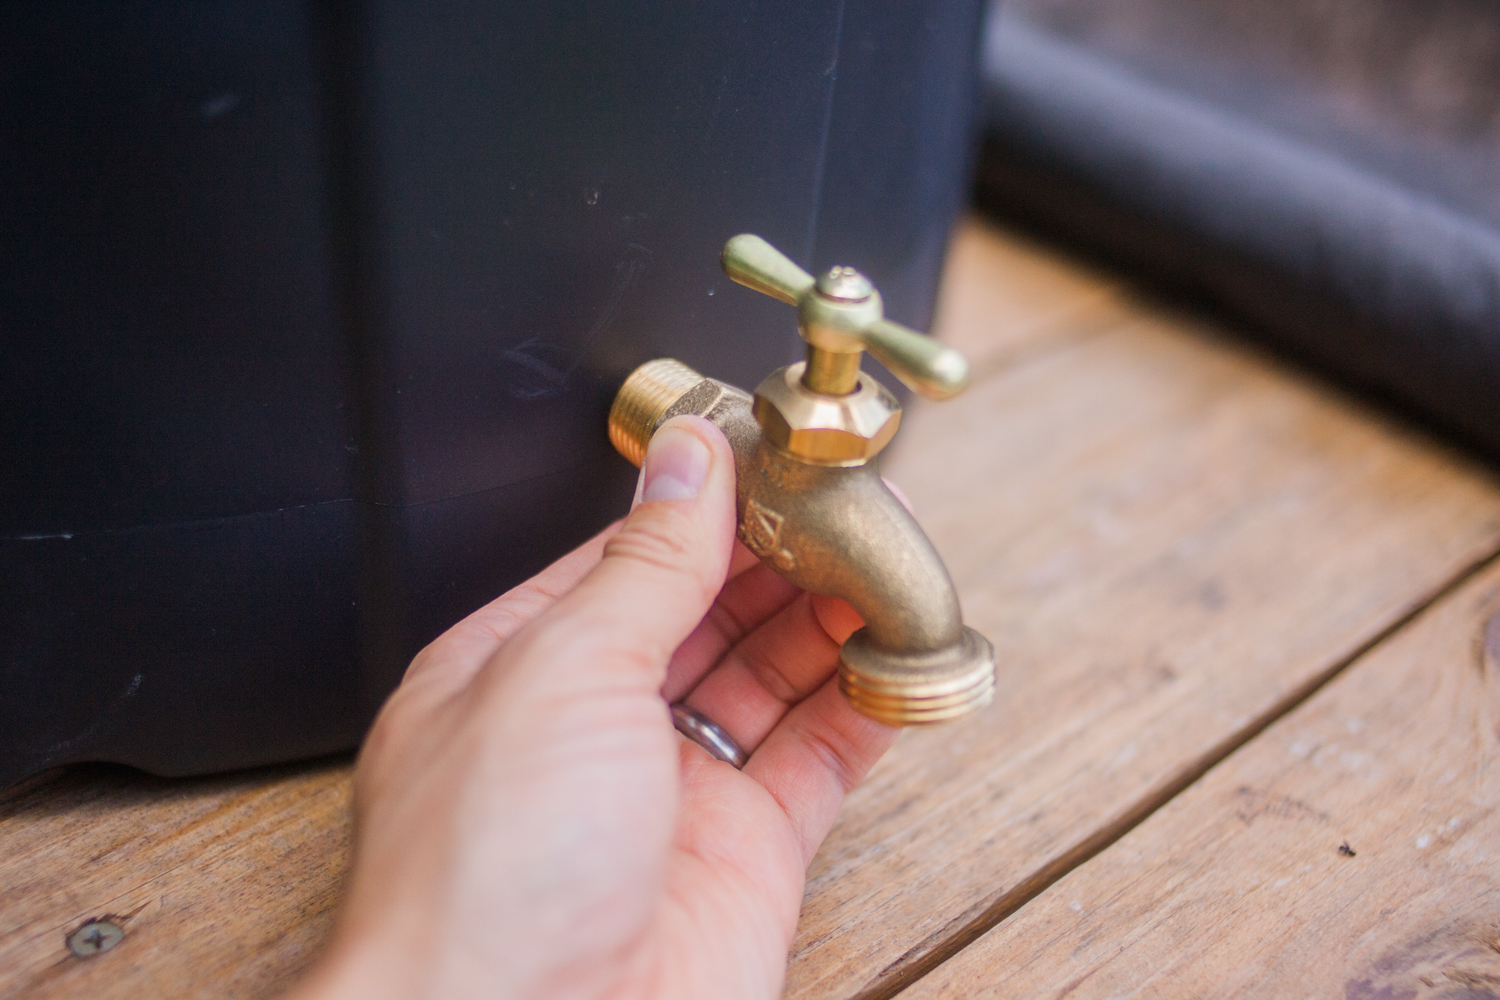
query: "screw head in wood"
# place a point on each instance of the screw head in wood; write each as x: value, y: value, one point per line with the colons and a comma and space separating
x: 94, y: 937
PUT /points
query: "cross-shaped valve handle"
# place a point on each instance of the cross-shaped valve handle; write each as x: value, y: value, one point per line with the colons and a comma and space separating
x: 839, y: 315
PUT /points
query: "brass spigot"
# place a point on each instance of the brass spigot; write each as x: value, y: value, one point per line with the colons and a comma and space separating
x: 811, y: 502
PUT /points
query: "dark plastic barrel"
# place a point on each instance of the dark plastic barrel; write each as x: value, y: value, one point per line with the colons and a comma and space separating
x: 312, y: 314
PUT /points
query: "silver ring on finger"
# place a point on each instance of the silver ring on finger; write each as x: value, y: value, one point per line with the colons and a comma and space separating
x: 708, y: 734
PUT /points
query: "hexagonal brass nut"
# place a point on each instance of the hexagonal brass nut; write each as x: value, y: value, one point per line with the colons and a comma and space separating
x: 826, y: 430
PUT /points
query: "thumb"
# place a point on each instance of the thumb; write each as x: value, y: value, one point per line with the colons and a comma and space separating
x: 661, y: 573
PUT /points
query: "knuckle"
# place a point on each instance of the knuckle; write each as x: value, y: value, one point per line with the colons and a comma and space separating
x: 775, y: 682
x: 838, y: 755
x: 729, y: 627
x: 655, y: 536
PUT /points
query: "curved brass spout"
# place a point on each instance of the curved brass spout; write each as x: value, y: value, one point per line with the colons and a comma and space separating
x: 832, y: 527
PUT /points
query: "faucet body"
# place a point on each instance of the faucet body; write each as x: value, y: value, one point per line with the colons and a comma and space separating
x: 833, y: 529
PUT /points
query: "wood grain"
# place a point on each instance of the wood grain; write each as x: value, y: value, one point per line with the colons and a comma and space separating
x: 1169, y: 540
x: 224, y: 886
x: 1239, y: 887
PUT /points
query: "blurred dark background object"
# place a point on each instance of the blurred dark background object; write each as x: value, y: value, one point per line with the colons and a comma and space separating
x: 1328, y: 171
x: 312, y: 313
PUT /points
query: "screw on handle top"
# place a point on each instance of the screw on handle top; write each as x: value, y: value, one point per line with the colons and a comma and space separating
x: 839, y: 315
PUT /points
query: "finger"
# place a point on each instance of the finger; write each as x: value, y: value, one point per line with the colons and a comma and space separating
x: 814, y: 756
x: 658, y: 576
x: 747, y: 601
x: 838, y: 617
x: 742, y: 560
x: 776, y: 666
x: 900, y: 494
x: 459, y: 652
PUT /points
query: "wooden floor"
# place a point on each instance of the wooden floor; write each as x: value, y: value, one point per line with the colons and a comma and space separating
x: 1245, y: 741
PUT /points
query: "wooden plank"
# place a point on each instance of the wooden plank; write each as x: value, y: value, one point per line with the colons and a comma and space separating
x: 1239, y: 887
x: 225, y: 886
x: 1005, y: 297
x: 1167, y: 538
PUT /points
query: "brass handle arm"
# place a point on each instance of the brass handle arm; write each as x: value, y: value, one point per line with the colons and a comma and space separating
x: 925, y: 365
x: 756, y: 264
x: 839, y: 315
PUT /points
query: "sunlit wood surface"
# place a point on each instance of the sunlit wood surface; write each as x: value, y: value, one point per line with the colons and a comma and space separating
x: 1242, y: 620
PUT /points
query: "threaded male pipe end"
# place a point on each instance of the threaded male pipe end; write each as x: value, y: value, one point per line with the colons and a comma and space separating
x: 643, y: 401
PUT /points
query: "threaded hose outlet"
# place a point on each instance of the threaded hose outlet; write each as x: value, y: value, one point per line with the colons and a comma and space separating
x: 642, y: 404
x: 917, y: 688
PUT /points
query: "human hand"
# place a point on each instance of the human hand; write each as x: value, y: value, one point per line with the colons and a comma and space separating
x: 529, y: 824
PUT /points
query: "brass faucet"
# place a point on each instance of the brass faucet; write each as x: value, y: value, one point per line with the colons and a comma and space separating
x: 811, y: 502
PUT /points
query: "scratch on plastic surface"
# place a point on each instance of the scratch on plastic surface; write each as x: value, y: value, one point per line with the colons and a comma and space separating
x: 542, y: 378
x: 832, y: 72
x: 108, y: 713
